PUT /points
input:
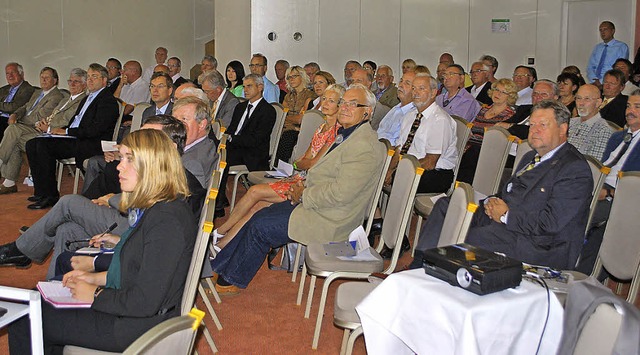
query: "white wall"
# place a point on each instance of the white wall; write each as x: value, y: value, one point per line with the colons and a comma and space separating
x: 65, y: 34
x: 388, y: 31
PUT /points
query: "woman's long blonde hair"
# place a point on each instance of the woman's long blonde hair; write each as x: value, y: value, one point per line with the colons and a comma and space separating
x: 161, y: 175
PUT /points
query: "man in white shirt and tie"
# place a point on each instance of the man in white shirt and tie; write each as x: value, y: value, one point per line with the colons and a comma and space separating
x: 94, y: 121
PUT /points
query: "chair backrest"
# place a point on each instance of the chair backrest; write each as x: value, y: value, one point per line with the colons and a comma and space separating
x: 614, y: 126
x: 222, y: 160
x: 599, y: 173
x: 620, y: 250
x: 523, y: 148
x: 600, y: 331
x: 378, y: 191
x: 459, y: 213
x: 216, y: 128
x: 116, y: 129
x: 492, y: 159
x: 205, y: 227
x: 463, y: 131
x: 276, y: 132
x: 136, y: 114
x: 403, y: 191
x: 173, y: 336
x: 311, y: 120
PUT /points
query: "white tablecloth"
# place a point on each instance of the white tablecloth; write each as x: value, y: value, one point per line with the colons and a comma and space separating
x: 411, y: 312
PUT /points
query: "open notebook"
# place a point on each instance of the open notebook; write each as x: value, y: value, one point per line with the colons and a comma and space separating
x: 59, y: 296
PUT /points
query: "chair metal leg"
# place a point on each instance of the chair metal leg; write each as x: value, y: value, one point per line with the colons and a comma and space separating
x: 76, y: 180
x: 212, y: 287
x: 345, y: 339
x: 303, y: 275
x: 352, y: 339
x: 209, y: 339
x: 207, y: 303
x: 312, y: 287
x: 60, y: 171
x: 233, y: 194
x: 417, y: 235
x: 323, y: 300
x: 296, y: 262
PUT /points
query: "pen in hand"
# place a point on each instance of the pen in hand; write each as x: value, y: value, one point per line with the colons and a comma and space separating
x: 108, y: 230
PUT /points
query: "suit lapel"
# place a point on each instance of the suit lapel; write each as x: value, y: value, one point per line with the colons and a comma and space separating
x: 543, y: 168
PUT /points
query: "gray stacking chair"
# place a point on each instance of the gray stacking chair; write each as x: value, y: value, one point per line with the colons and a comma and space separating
x: 349, y: 294
x: 317, y: 264
x: 136, y: 114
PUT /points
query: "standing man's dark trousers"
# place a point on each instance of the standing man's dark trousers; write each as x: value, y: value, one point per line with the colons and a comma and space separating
x: 43, y: 154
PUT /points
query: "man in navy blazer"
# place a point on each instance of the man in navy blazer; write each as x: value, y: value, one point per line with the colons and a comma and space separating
x: 621, y: 154
x: 540, y: 214
x: 249, y: 131
x: 94, y: 121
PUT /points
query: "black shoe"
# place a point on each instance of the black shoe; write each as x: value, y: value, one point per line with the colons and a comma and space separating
x: 23, y: 229
x: 44, y: 203
x: 376, y: 226
x: 11, y: 256
x: 34, y: 198
x: 386, y: 252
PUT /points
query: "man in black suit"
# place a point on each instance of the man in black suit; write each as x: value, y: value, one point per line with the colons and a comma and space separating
x: 175, y: 66
x: 249, y: 132
x: 614, y: 103
x: 161, y: 89
x: 540, y: 214
x: 94, y: 121
x: 114, y: 70
x: 481, y: 85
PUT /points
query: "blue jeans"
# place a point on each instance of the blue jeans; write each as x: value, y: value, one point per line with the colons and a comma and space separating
x: 241, y: 259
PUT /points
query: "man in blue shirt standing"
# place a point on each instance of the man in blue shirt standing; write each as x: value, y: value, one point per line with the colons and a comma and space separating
x: 605, y: 54
x: 258, y: 66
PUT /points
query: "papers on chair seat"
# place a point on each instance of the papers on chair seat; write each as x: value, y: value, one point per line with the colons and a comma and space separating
x: 59, y: 296
x: 364, y: 255
x: 358, y: 238
x: 339, y: 249
x: 109, y: 146
x: 435, y: 198
x: 283, y: 170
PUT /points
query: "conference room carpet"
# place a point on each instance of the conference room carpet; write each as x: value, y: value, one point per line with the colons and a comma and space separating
x: 262, y: 319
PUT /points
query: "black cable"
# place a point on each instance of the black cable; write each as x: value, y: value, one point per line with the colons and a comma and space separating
x: 543, y: 283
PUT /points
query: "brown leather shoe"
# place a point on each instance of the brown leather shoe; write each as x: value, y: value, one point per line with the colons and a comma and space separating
x: 8, y: 190
x: 227, y: 290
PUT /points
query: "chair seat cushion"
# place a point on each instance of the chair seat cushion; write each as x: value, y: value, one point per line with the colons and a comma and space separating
x: 317, y: 262
x: 348, y: 296
x: 76, y: 350
x: 423, y: 204
x: 237, y: 169
x: 257, y: 177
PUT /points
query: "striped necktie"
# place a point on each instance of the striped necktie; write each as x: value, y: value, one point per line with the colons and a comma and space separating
x: 531, y: 165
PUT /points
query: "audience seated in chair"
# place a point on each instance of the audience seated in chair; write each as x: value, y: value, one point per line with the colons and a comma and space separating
x: 589, y: 132
x: 540, y: 214
x: 455, y: 100
x: 13, y: 95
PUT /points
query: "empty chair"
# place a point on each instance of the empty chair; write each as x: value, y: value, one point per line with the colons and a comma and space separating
x: 136, y: 114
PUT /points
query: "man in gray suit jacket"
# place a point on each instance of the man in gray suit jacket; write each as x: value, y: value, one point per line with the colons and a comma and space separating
x: 332, y: 204
x: 22, y: 127
x: 14, y: 95
x: 222, y: 101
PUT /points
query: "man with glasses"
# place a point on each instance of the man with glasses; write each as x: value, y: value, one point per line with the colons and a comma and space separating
x: 518, y: 124
x: 22, y: 127
x: 387, y: 93
x: 523, y: 77
x: 175, y: 66
x: 258, y: 66
x: 221, y: 100
x: 349, y: 68
x: 160, y: 55
x: 331, y: 203
x: 454, y: 99
x: 94, y: 121
x: 209, y: 63
x: 605, y: 53
x: 614, y: 102
x: 363, y: 77
x: 589, y: 132
x: 114, y: 70
x: 480, y: 77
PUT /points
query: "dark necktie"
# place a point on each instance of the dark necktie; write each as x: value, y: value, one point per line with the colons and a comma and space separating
x: 602, y: 58
x: 244, y: 120
x: 625, y: 141
x: 531, y: 165
x: 412, y: 133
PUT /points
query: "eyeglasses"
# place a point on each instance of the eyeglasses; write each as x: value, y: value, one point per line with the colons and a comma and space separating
x: 477, y: 71
x: 451, y: 75
x: 160, y: 86
x: 293, y: 76
x: 521, y: 75
x: 541, y: 94
x: 94, y: 77
x: 350, y: 104
x: 173, y: 66
x: 381, y: 76
x: 586, y: 99
x: 255, y: 65
x: 500, y: 91
x: 112, y: 68
x: 74, y: 82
